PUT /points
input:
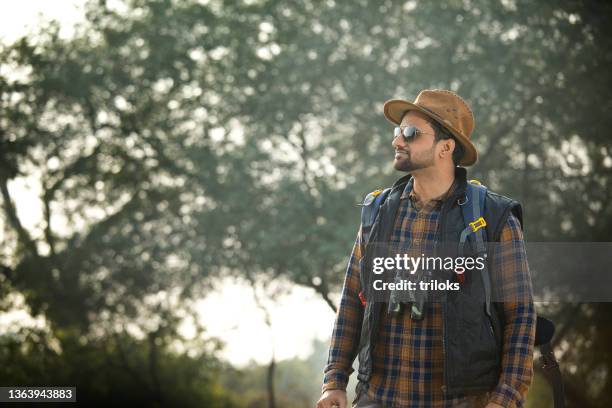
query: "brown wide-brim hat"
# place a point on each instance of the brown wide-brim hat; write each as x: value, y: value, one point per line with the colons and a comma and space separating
x: 446, y: 108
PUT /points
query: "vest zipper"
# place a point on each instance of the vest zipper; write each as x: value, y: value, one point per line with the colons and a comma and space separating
x: 444, y: 369
x: 446, y: 207
x: 441, y: 231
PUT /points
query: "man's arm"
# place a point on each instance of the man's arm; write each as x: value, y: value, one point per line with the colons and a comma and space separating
x: 347, y: 328
x: 512, y: 284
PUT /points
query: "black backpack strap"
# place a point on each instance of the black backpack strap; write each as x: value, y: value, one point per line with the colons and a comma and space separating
x: 369, y: 211
x: 473, y: 208
x: 545, y: 330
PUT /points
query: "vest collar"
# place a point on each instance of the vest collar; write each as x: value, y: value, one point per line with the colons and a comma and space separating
x: 460, y: 180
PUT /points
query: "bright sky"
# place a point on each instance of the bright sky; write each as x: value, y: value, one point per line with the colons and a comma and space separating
x: 19, y: 17
x: 230, y: 312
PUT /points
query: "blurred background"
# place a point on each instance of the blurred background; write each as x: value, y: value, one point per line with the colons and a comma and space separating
x: 178, y: 179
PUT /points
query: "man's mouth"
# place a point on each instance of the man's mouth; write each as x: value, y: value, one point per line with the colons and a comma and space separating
x: 400, y: 153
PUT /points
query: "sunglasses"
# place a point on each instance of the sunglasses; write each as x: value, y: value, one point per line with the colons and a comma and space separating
x: 408, y: 132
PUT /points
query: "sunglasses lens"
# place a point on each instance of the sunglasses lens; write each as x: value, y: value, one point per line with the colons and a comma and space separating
x: 409, y: 132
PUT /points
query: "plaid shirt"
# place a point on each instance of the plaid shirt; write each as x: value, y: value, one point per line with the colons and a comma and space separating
x: 408, y: 364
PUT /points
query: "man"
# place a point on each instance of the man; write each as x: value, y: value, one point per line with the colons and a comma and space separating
x: 438, y: 358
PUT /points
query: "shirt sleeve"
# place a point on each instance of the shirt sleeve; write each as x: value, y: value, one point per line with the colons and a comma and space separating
x: 512, y: 285
x: 347, y: 327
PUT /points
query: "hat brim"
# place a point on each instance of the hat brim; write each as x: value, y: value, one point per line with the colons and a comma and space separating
x: 395, y: 109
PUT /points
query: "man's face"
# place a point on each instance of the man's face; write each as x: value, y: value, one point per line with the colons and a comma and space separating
x: 418, y: 153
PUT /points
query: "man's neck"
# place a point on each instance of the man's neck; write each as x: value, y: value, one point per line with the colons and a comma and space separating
x: 432, y: 183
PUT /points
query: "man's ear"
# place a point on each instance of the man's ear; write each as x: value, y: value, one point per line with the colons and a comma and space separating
x: 451, y: 144
x: 448, y: 147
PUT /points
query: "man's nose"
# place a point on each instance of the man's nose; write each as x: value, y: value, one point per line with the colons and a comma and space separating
x: 398, y: 142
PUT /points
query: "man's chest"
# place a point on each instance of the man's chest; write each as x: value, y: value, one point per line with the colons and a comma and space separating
x: 415, y: 229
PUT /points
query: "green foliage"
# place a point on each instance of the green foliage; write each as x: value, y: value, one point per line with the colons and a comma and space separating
x: 111, y: 371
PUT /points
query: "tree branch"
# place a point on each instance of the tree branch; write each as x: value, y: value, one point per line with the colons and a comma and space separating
x: 47, y: 215
x: 321, y: 289
x: 11, y: 213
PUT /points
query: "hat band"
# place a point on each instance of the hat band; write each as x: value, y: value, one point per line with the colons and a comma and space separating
x: 442, y: 126
x: 429, y: 110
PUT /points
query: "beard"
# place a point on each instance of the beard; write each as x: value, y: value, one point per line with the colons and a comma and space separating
x: 408, y: 163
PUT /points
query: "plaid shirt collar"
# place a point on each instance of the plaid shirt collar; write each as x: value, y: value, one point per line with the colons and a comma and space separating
x: 409, y: 193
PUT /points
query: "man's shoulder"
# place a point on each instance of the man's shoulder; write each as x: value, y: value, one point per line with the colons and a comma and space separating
x: 500, y: 208
x: 400, y: 183
x: 494, y: 201
x: 501, y: 199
